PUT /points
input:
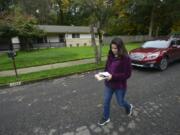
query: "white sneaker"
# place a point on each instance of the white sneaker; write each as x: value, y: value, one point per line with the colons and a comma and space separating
x: 131, y: 110
x: 103, y: 121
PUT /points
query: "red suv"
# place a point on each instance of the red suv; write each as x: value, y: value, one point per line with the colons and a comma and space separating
x: 156, y: 54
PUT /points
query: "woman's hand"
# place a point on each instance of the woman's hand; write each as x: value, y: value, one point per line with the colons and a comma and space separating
x: 109, y: 77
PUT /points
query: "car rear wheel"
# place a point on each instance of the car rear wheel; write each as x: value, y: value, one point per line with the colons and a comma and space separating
x: 163, y: 64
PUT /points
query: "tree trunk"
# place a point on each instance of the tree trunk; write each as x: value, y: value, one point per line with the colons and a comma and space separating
x: 151, y: 23
x: 25, y: 44
x: 157, y: 31
x: 93, y: 42
x: 60, y: 19
x: 22, y: 43
x: 100, y: 45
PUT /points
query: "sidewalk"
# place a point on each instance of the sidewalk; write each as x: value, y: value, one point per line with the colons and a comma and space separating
x: 47, y: 67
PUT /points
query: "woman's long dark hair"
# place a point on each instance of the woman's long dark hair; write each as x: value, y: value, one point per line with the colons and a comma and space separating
x: 120, y: 46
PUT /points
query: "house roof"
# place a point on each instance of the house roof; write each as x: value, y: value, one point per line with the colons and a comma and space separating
x: 65, y: 29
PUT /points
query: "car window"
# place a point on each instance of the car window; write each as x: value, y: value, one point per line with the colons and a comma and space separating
x: 178, y: 42
x: 156, y: 44
x: 173, y: 42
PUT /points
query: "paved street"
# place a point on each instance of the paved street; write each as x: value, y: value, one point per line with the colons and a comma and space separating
x: 73, y: 105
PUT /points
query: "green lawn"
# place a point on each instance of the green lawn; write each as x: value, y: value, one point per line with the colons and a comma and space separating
x: 48, y: 74
x: 52, y: 55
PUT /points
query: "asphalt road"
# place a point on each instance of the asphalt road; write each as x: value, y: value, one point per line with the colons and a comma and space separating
x: 73, y: 106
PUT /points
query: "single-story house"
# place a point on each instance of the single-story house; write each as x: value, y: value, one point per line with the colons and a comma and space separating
x: 68, y: 36
x: 58, y: 36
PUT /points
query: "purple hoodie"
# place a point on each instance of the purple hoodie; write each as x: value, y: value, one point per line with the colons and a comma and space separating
x: 120, y: 69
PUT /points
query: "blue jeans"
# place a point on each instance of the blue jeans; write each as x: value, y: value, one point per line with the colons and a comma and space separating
x: 120, y: 94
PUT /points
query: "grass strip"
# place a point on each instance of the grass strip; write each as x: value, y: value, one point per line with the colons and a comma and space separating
x: 53, y: 73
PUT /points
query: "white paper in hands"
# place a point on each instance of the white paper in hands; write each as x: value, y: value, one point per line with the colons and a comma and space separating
x: 102, y: 76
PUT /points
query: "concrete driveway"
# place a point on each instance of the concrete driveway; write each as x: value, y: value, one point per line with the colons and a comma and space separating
x: 73, y: 105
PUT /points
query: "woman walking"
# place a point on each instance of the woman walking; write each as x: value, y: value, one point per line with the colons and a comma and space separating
x: 118, y: 65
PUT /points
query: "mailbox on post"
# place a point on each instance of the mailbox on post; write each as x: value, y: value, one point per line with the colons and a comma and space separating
x: 12, y: 54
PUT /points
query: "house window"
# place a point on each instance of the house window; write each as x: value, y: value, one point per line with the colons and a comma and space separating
x: 39, y: 40
x: 75, y: 35
x: 61, y: 38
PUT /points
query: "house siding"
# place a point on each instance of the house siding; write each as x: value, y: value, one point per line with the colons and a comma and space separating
x: 79, y: 42
x: 53, y: 39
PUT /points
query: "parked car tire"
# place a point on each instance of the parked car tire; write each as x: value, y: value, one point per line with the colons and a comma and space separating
x: 163, y: 64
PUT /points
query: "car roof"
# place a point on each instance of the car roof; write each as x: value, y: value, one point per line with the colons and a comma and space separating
x: 156, y: 41
x: 175, y: 38
x: 164, y: 43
